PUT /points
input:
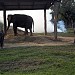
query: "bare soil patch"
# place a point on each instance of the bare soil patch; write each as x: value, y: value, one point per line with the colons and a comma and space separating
x: 35, y: 40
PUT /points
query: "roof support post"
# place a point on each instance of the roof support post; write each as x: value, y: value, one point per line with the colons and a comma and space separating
x: 45, y: 26
x: 4, y: 15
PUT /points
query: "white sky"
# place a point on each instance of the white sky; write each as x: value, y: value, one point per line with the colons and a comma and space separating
x: 38, y: 16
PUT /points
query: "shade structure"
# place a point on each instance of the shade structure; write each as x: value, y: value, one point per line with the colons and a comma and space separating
x: 25, y: 4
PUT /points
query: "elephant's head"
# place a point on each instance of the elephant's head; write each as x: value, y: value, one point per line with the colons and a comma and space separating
x: 10, y: 20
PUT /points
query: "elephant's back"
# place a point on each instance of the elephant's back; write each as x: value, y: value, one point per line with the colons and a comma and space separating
x: 22, y: 18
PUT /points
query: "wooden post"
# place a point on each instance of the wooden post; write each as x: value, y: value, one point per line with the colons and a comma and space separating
x: 45, y: 26
x: 4, y: 15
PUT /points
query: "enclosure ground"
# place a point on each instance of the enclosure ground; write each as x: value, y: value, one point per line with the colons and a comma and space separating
x: 35, y: 40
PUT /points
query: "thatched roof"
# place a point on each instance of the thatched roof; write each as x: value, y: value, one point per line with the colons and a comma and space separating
x: 25, y: 4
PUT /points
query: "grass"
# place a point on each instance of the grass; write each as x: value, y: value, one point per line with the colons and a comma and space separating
x: 69, y: 33
x: 45, y: 60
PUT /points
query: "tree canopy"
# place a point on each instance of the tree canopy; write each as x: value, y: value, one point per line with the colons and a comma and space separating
x: 67, y: 12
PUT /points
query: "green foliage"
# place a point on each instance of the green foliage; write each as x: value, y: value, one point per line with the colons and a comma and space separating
x: 69, y: 33
x: 38, y: 60
x: 66, y: 12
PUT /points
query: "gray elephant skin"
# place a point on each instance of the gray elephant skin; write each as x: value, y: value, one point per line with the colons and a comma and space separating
x: 21, y: 20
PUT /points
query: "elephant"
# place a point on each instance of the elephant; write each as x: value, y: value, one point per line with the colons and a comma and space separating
x: 21, y: 20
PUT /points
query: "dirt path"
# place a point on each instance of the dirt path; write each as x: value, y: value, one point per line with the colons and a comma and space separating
x: 35, y: 40
x: 16, y: 41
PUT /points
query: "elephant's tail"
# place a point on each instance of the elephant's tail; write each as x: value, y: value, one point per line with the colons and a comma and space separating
x: 33, y: 25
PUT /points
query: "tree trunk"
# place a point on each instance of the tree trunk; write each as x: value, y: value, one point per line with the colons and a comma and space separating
x: 56, y: 11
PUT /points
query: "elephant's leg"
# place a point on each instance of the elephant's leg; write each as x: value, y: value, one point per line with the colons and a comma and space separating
x: 15, y: 31
x: 30, y: 32
x: 26, y: 31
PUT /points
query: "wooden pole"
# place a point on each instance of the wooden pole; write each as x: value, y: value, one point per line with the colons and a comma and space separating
x: 45, y: 26
x: 4, y: 15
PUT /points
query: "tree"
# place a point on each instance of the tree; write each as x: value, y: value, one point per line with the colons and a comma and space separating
x: 66, y: 9
x: 66, y: 12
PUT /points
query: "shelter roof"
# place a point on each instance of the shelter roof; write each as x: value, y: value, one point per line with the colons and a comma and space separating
x: 25, y: 4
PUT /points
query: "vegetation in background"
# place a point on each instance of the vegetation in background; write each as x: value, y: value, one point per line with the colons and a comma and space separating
x: 67, y: 12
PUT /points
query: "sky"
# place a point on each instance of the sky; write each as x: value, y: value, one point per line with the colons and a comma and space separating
x: 38, y: 17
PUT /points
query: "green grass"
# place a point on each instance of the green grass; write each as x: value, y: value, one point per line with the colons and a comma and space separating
x: 69, y: 33
x: 45, y: 60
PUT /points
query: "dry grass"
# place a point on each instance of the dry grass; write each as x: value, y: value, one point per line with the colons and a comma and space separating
x: 35, y: 40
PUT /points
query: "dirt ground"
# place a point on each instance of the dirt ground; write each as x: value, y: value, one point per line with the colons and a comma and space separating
x: 35, y: 40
